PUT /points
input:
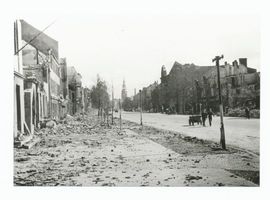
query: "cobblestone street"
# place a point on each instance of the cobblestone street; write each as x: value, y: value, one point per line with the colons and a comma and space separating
x: 83, y: 151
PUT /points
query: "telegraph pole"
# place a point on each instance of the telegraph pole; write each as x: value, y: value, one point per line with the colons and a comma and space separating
x: 222, y: 131
x: 120, y: 114
x: 141, y: 106
x: 49, y: 82
x: 112, y: 104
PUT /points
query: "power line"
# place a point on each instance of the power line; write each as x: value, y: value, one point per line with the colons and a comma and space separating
x: 35, y: 37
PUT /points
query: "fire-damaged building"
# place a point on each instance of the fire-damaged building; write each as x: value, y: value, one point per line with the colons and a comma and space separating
x: 240, y: 87
x: 75, y: 91
x: 190, y: 88
x: 44, y: 87
x: 40, y: 79
x: 39, y: 67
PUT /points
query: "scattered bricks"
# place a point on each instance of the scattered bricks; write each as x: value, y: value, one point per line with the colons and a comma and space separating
x: 50, y: 124
x: 31, y: 143
x: 190, y: 177
x: 219, y: 184
x: 22, y: 159
x: 31, y: 171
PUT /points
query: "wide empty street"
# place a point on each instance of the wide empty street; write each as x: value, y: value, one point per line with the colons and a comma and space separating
x: 239, y: 132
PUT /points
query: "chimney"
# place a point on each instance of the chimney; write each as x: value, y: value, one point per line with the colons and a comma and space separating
x: 243, y: 61
x: 235, y: 63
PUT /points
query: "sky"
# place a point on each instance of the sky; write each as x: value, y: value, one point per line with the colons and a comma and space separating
x: 134, y: 46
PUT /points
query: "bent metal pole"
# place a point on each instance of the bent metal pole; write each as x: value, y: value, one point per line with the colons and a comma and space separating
x: 222, y: 131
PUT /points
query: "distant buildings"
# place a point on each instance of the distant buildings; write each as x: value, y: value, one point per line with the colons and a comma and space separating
x: 42, y: 81
x: 146, y: 98
x: 189, y: 88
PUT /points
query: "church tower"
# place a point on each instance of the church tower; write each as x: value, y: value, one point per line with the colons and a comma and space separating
x: 124, y: 91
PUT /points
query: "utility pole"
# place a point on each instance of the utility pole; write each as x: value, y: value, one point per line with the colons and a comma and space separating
x: 107, y: 114
x: 120, y: 114
x: 222, y: 131
x: 141, y: 106
x: 49, y: 81
x: 112, y: 104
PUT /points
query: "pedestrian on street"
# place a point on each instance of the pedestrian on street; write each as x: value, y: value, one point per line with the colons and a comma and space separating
x: 210, y: 115
x: 247, y: 111
x: 204, y: 116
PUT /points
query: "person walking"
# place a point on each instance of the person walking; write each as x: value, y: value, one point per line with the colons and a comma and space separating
x: 247, y: 111
x: 204, y: 116
x: 210, y: 115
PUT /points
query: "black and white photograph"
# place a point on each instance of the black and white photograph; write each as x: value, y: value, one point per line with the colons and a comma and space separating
x: 135, y: 97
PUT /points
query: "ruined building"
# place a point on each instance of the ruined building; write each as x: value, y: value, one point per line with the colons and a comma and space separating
x: 44, y: 87
x: 19, y: 113
x: 189, y: 88
x: 240, y: 86
x: 75, y: 91
x: 37, y: 64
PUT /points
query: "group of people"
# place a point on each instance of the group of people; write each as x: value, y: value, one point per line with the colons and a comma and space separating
x: 210, y: 114
x: 206, y: 115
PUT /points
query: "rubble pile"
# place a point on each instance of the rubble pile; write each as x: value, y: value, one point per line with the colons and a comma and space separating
x: 72, y: 125
x: 61, y: 152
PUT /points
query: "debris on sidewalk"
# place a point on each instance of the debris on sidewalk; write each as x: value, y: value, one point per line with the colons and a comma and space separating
x: 84, y: 151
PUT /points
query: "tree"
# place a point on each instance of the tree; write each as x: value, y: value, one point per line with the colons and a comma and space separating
x: 127, y: 104
x: 99, y: 95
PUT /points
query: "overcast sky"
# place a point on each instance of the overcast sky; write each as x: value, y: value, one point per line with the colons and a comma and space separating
x: 135, y: 46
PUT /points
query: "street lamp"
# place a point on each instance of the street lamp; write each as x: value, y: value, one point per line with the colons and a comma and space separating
x: 222, y: 131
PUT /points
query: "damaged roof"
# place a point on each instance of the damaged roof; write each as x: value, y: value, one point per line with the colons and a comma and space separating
x: 43, y: 42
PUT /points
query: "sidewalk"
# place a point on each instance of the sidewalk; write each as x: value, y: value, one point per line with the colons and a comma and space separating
x: 105, y: 157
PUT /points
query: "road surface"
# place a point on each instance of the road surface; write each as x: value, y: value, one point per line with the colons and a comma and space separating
x: 86, y: 152
x: 239, y: 132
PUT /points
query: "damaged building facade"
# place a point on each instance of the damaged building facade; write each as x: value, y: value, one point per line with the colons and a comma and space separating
x: 75, y: 91
x: 240, y: 87
x: 189, y: 88
x: 41, y: 91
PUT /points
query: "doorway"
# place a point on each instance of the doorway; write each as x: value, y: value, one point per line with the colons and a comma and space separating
x: 18, y: 102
